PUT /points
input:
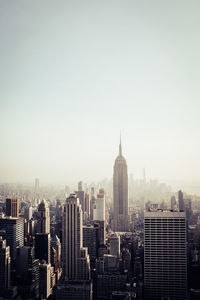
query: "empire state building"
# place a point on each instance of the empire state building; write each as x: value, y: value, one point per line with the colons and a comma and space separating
x: 120, y: 220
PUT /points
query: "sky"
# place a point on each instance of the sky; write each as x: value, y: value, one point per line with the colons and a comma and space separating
x: 73, y: 74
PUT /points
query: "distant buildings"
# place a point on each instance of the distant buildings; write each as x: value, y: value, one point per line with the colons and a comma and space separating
x: 37, y: 185
x: 165, y: 260
x: 120, y: 220
x: 173, y: 203
x: 181, y: 203
x: 84, y: 200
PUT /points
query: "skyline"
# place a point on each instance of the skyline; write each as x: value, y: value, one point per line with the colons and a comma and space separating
x: 73, y: 75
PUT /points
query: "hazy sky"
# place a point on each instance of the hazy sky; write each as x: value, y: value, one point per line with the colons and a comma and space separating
x: 75, y: 73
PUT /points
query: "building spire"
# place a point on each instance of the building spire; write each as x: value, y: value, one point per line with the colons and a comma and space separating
x: 120, y: 146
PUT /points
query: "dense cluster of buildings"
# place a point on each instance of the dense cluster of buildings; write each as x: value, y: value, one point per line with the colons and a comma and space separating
x: 86, y: 248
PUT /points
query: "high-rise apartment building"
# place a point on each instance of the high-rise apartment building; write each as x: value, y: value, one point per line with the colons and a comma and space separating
x: 165, y: 260
x: 12, y: 208
x: 43, y: 218
x: 4, y: 265
x: 120, y: 220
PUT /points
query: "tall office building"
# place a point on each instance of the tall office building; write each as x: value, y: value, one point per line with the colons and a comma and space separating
x: 43, y: 218
x: 14, y: 228
x: 120, y: 194
x: 4, y: 265
x: 181, y: 203
x: 165, y: 260
x: 72, y: 251
x: 72, y: 236
x: 12, y: 208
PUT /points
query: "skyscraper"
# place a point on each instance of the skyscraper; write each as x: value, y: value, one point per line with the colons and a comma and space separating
x: 12, y: 207
x: 80, y: 186
x: 43, y: 218
x: 37, y: 184
x: 72, y: 251
x: 181, y: 203
x: 72, y: 236
x: 120, y: 194
x: 165, y: 260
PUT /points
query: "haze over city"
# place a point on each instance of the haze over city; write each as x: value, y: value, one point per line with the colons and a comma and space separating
x: 76, y: 73
x: 99, y: 155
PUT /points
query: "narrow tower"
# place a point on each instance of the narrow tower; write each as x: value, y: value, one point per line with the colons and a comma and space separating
x: 120, y: 193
